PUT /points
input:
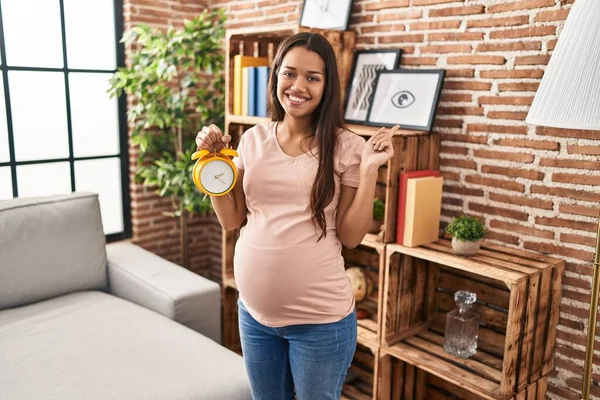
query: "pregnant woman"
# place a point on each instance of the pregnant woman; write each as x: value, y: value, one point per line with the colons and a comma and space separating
x: 306, y: 186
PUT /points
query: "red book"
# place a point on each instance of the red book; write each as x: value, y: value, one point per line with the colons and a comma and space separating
x: 405, y: 176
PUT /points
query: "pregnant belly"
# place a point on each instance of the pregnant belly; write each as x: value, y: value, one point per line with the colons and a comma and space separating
x: 289, y: 284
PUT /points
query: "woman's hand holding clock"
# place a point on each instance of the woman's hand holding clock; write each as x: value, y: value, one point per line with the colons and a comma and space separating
x: 211, y: 138
x: 214, y: 172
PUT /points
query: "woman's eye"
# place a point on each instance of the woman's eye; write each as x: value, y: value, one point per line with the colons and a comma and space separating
x: 313, y: 79
x: 288, y: 74
x: 403, y: 99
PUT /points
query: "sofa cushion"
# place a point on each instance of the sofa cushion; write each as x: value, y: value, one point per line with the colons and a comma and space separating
x: 92, y: 345
x: 49, y: 247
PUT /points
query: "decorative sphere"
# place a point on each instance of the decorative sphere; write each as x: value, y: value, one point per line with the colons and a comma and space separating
x: 360, y: 283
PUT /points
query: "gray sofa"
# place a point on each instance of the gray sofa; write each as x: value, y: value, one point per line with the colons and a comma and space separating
x: 82, y: 320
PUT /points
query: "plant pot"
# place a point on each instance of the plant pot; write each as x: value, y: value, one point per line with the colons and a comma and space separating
x: 375, y: 226
x: 465, y: 248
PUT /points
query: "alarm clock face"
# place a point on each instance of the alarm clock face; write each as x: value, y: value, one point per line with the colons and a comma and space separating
x: 217, y: 176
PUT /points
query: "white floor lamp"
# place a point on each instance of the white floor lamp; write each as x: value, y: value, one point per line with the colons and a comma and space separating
x: 569, y: 97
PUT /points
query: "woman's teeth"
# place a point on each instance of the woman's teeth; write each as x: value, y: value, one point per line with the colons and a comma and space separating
x: 296, y: 99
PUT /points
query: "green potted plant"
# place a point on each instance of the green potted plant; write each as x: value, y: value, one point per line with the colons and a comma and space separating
x: 175, y: 85
x: 378, y: 215
x: 467, y: 233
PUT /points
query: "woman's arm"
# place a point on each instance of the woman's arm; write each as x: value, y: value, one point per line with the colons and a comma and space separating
x: 355, y: 206
x: 231, y: 210
x: 355, y: 209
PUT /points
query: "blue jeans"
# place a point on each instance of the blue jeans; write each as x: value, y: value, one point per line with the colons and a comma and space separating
x: 312, y: 358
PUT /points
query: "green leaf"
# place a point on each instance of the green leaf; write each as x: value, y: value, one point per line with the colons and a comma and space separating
x: 467, y: 228
x: 378, y: 209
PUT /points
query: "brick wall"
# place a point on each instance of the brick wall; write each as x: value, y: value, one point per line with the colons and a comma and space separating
x: 151, y: 229
x: 537, y: 188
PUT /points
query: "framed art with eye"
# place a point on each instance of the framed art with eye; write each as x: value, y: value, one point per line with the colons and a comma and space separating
x: 406, y: 97
x: 326, y: 14
x: 362, y: 81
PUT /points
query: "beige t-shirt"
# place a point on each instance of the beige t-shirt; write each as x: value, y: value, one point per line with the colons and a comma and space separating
x: 284, y: 276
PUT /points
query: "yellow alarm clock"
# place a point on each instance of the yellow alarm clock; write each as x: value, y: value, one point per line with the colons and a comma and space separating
x: 214, y: 173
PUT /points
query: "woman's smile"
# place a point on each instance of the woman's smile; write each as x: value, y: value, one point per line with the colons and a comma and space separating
x: 296, y: 100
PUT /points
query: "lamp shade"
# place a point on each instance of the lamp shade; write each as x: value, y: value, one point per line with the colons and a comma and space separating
x: 569, y: 93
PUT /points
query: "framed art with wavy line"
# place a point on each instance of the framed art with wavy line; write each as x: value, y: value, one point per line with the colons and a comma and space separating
x: 361, y: 84
x: 406, y: 97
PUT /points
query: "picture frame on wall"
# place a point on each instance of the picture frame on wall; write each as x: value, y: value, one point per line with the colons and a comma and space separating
x: 362, y: 81
x: 406, y: 97
x: 326, y: 14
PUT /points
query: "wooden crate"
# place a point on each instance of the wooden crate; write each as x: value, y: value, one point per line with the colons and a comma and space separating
x: 361, y: 382
x: 518, y: 297
x: 230, y: 329
x: 399, y: 380
x: 370, y: 257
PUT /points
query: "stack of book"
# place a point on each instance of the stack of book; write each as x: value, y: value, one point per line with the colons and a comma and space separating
x: 419, y: 207
x: 250, y: 77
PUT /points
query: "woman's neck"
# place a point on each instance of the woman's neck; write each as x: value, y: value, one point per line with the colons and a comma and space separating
x: 297, y: 127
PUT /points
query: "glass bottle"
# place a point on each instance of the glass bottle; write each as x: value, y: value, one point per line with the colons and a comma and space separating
x: 462, y: 326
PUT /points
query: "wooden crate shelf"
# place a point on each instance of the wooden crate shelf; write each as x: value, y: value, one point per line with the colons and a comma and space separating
x: 518, y: 298
x: 399, y: 380
x: 367, y: 131
x: 370, y: 257
x: 266, y: 32
x: 231, y: 334
x: 229, y: 283
x: 367, y: 337
x: 244, y: 120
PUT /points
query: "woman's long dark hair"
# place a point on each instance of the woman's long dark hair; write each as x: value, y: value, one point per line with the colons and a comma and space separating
x: 326, y: 121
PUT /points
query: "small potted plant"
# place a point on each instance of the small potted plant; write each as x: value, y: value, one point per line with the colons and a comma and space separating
x: 378, y: 214
x: 467, y: 233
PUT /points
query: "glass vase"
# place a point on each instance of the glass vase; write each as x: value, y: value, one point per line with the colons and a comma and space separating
x: 462, y: 326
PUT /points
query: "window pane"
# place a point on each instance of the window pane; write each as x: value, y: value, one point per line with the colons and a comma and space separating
x: 39, y: 115
x: 44, y: 179
x: 5, y: 184
x: 32, y: 33
x: 103, y: 177
x: 90, y: 31
x: 94, y: 116
x: 4, y: 154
